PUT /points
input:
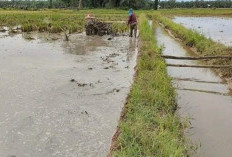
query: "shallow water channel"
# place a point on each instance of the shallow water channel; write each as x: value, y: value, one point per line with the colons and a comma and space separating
x: 203, y: 97
x: 218, y: 29
x: 62, y: 98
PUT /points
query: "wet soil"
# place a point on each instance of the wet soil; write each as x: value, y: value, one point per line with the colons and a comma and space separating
x: 216, y: 28
x: 62, y: 98
x: 204, y: 98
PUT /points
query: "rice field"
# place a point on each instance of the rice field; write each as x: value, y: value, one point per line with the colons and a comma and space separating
x: 55, y: 21
x: 149, y: 124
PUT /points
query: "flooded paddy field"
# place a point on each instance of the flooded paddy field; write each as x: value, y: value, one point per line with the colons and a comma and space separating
x: 204, y: 98
x: 216, y: 28
x: 62, y: 98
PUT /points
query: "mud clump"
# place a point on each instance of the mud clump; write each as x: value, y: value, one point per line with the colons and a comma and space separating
x: 81, y: 84
x: 116, y: 90
x: 95, y: 27
x: 85, y: 112
x: 84, y: 84
x: 2, y: 30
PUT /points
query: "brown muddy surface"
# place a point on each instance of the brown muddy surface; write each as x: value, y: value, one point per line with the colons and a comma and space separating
x: 60, y: 98
x: 202, y: 97
x: 218, y: 29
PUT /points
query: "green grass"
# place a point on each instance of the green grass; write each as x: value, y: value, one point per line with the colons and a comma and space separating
x: 203, y: 45
x: 197, y: 12
x: 55, y: 20
x: 150, y: 126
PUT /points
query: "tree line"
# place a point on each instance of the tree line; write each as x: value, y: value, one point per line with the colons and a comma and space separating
x: 196, y: 4
x: 122, y: 4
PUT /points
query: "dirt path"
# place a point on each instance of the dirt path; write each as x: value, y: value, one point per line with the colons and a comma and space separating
x: 62, y: 98
x: 203, y: 97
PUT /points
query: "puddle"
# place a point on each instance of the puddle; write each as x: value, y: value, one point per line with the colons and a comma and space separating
x: 85, y: 44
x: 204, y: 98
x: 60, y: 98
x: 216, y: 28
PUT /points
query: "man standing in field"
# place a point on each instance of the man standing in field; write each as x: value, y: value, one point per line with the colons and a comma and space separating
x: 132, y: 21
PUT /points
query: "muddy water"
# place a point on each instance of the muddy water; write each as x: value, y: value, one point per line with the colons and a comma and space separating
x: 216, y: 28
x: 62, y: 98
x: 204, y: 98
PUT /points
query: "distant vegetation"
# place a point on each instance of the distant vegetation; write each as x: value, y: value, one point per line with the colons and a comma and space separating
x: 122, y: 4
x: 196, y: 4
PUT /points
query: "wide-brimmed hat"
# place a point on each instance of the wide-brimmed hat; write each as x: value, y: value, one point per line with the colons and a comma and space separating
x: 131, y: 11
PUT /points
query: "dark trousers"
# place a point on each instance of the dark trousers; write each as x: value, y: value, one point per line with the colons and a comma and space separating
x: 133, y: 28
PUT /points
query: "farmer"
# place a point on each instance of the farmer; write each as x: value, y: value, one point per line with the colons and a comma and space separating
x: 132, y: 21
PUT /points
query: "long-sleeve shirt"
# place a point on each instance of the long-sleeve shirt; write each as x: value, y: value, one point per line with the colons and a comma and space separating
x: 132, y: 19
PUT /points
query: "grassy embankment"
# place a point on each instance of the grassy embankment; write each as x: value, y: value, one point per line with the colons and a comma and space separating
x: 203, y: 45
x: 196, y: 12
x: 56, y: 21
x: 149, y: 126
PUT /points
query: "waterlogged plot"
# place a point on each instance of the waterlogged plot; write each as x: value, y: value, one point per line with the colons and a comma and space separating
x: 216, y: 28
x: 203, y: 97
x: 62, y: 98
